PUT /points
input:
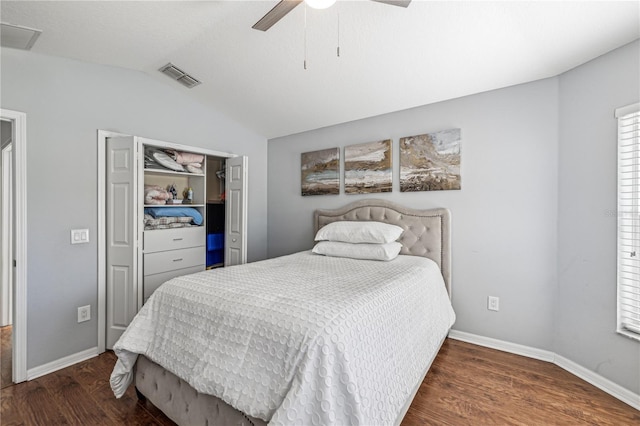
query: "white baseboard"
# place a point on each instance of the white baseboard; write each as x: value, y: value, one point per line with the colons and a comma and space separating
x: 61, y: 363
x: 585, y: 374
x: 502, y: 345
x: 613, y: 389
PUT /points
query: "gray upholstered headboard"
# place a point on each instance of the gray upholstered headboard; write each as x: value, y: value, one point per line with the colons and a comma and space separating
x: 426, y: 232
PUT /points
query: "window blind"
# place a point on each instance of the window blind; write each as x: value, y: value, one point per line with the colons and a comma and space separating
x: 629, y: 220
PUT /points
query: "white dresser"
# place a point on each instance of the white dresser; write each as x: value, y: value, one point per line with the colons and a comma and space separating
x: 169, y: 253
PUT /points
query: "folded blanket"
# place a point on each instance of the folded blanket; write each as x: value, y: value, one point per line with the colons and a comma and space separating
x: 154, y: 194
x: 194, y: 168
x: 186, y: 157
x: 175, y: 212
x: 166, y: 222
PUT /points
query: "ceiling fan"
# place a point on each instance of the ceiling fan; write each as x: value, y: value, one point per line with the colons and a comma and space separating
x: 285, y: 6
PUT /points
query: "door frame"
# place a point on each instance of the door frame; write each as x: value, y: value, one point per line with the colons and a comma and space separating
x: 6, y: 223
x: 19, y: 330
x: 102, y: 204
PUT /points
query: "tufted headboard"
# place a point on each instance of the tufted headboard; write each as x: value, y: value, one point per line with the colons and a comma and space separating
x: 427, y: 232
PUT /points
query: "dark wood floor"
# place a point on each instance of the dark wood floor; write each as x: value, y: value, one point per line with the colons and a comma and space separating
x: 467, y: 385
x: 5, y: 356
x: 472, y: 385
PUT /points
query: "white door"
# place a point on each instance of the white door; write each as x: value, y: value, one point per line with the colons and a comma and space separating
x: 235, y: 240
x: 121, y: 235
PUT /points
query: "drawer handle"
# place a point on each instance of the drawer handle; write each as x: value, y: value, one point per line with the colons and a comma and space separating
x: 177, y: 260
x: 177, y: 239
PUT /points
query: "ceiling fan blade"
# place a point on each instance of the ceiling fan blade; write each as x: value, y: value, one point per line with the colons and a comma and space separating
x: 275, y: 14
x: 401, y: 3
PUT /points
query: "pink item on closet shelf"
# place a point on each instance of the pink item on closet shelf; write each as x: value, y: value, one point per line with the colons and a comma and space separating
x: 155, y: 195
x: 186, y: 157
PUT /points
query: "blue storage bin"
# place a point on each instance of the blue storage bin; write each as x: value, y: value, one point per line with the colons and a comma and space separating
x: 215, y: 241
x: 215, y: 256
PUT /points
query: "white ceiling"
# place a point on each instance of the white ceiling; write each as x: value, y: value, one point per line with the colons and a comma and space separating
x: 391, y: 58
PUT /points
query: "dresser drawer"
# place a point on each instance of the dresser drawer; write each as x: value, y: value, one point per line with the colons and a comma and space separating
x: 152, y: 282
x: 164, y: 261
x: 172, y: 239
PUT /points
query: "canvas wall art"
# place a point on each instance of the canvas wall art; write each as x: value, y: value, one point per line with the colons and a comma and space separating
x: 367, y: 168
x: 320, y: 172
x: 430, y: 162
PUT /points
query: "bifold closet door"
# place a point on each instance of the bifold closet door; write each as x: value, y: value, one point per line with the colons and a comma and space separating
x: 236, y: 215
x: 121, y: 235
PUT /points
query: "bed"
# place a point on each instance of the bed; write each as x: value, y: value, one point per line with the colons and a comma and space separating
x: 339, y: 345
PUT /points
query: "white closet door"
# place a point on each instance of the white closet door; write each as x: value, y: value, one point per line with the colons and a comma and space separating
x: 236, y: 211
x: 121, y: 238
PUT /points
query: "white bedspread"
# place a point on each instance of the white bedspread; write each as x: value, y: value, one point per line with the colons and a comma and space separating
x: 299, y: 339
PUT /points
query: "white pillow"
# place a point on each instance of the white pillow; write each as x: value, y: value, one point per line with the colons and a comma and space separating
x: 359, y: 232
x: 388, y: 251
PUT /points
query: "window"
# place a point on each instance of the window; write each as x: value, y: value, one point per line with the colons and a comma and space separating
x: 629, y: 220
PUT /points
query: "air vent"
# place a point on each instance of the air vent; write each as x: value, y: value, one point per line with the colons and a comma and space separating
x: 188, y: 81
x: 18, y: 37
x: 172, y: 71
x: 177, y: 74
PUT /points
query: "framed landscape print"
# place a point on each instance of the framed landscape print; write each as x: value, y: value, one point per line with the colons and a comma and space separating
x: 320, y: 172
x: 430, y: 162
x: 367, y: 167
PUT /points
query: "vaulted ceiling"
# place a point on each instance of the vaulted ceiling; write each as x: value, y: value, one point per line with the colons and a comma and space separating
x: 391, y: 58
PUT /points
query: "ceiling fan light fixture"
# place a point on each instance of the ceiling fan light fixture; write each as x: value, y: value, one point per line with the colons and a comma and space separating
x: 319, y: 4
x: 285, y: 6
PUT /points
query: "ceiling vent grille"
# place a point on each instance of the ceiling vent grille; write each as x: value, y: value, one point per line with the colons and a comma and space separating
x: 180, y: 76
x: 18, y: 37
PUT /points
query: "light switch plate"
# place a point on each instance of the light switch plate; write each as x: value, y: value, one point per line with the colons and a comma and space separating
x: 84, y: 313
x: 79, y: 236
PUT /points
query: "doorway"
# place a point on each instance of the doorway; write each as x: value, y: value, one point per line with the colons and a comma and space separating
x: 13, y: 259
x: 6, y: 256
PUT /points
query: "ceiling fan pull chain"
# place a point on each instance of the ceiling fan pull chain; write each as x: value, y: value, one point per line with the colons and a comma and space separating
x: 305, y: 36
x: 338, y: 12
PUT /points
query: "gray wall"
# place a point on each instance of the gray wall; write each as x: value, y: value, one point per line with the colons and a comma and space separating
x: 533, y: 223
x: 66, y: 102
x: 586, y: 304
x: 504, y: 218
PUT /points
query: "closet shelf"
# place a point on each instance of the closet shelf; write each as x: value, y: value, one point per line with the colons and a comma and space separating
x: 172, y: 172
x: 174, y: 205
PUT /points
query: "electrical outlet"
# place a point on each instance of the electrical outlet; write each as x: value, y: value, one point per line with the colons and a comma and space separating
x: 84, y: 313
x: 493, y: 303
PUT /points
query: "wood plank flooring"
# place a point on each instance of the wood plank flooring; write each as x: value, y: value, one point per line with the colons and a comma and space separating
x: 6, y: 363
x: 472, y: 385
x: 467, y: 385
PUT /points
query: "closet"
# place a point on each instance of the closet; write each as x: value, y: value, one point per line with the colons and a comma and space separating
x: 171, y: 210
x: 215, y: 211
